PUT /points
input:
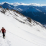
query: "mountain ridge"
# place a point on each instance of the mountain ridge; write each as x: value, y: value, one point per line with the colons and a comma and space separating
x: 37, y: 13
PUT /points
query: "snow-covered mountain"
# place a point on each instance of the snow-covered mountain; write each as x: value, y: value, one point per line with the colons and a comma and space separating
x: 20, y: 30
x: 37, y: 13
x: 24, y: 7
x: 16, y: 3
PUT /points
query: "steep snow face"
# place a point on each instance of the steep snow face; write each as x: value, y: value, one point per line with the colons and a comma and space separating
x: 19, y: 31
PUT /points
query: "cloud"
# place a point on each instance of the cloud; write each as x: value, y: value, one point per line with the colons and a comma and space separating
x: 33, y: 4
x: 16, y: 3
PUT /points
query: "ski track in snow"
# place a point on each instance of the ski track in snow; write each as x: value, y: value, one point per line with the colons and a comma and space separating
x: 4, y: 42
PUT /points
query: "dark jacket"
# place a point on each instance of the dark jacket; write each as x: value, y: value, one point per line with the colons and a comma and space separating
x: 3, y: 30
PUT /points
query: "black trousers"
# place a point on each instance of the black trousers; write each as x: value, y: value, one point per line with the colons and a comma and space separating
x: 3, y: 34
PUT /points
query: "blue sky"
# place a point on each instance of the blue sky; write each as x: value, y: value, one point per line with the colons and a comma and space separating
x: 25, y: 1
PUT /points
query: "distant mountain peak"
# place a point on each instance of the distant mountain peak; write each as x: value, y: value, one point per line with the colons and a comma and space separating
x: 5, y: 3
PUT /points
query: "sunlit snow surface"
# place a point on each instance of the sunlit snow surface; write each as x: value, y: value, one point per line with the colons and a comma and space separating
x: 21, y: 34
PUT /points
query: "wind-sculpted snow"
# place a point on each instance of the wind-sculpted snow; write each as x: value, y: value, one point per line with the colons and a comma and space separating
x: 21, y: 34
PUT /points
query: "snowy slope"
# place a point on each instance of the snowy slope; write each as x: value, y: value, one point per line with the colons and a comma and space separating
x: 19, y: 31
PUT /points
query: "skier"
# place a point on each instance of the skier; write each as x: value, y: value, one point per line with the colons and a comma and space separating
x: 3, y: 31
